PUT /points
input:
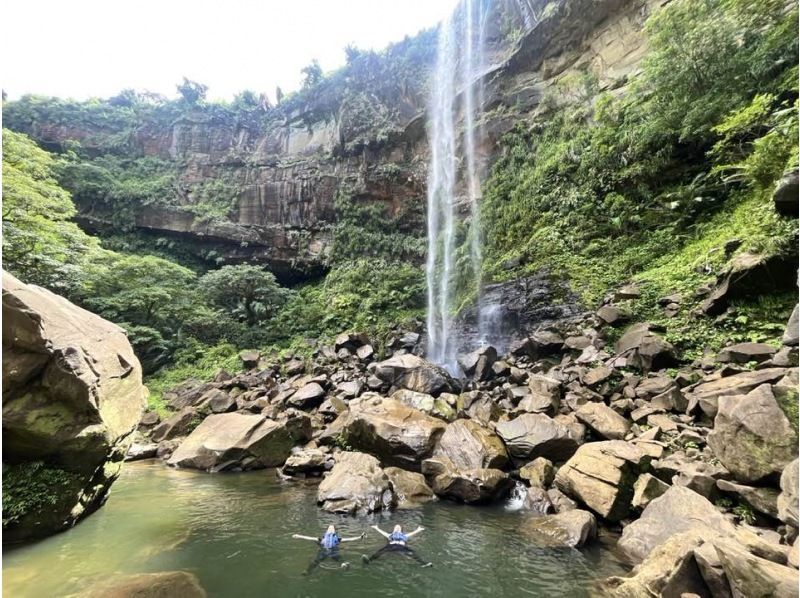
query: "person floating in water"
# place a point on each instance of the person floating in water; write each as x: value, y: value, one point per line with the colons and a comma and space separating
x: 397, y: 541
x: 328, y: 547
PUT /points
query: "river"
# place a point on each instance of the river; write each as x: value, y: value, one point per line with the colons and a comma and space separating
x: 233, y: 532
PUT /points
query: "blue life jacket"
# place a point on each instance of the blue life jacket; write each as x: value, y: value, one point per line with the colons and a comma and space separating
x: 398, y: 537
x: 330, y: 540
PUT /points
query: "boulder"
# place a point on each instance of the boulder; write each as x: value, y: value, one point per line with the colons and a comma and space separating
x: 612, y: 315
x: 596, y: 376
x: 365, y: 353
x: 72, y: 398
x: 763, y: 500
x: 753, y: 577
x: 677, y: 510
x: 240, y: 441
x: 410, y: 488
x: 355, y: 485
x: 222, y: 403
x: 478, y: 364
x: 188, y: 394
x: 309, y: 460
x: 792, y: 333
x: 785, y: 195
x: 601, y: 475
x: 538, y: 472
x: 706, y: 394
x: 536, y: 435
x: 787, y: 500
x: 148, y: 585
x: 752, y: 437
x: 307, y: 397
x: 138, y: 451
x: 350, y: 341
x: 603, y: 421
x: 746, y: 352
x: 177, y: 424
x: 538, y: 501
x: 471, y: 486
x: 414, y: 373
x: 646, y: 489
x: 469, y: 445
x: 645, y: 349
x: 395, y: 433
x: 249, y: 359
x: 572, y: 528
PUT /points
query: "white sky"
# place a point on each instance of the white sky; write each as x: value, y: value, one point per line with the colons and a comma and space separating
x: 95, y: 48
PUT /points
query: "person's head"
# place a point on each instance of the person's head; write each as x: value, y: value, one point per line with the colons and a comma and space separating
x: 398, y: 529
x: 331, y: 529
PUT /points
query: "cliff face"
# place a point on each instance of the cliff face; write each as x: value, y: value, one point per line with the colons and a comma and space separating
x: 356, y: 135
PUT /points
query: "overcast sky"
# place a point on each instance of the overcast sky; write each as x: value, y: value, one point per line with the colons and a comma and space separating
x: 95, y: 48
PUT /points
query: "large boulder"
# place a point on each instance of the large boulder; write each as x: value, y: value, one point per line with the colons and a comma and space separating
x: 753, y: 577
x: 787, y: 500
x: 395, y: 433
x: 410, y: 487
x: 240, y: 441
x: 706, y: 394
x: 677, y: 510
x: 572, y: 528
x: 469, y: 445
x: 471, y: 486
x: 645, y: 349
x: 746, y: 352
x: 307, y: 397
x: 176, y: 425
x: 791, y: 335
x: 603, y: 421
x: 356, y: 484
x: 534, y: 435
x: 602, y: 475
x: 72, y: 398
x: 752, y: 437
x: 478, y: 364
x: 414, y: 373
x: 785, y: 195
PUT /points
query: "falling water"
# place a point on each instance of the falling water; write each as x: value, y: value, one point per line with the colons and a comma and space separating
x: 452, y: 79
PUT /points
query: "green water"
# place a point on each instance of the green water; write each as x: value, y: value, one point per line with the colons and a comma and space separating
x: 233, y: 532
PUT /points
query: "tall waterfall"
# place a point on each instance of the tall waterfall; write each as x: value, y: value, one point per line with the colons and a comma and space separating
x: 454, y: 166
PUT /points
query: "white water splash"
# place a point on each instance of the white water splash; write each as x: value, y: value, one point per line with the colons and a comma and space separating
x: 516, y: 499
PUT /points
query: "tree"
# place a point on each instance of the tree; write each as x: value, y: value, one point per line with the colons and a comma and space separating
x: 192, y: 91
x: 41, y: 245
x: 248, y: 292
x: 313, y: 74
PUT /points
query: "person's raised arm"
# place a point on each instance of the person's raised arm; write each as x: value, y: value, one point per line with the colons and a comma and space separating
x: 301, y: 537
x: 380, y: 531
x: 354, y: 538
x: 416, y: 531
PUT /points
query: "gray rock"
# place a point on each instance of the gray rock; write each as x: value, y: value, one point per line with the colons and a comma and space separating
x: 792, y: 333
x: 539, y: 472
x: 355, y: 485
x: 785, y: 195
x: 535, y: 435
x: 469, y: 445
x: 745, y: 352
x: 787, y: 500
x: 414, y: 373
x: 175, y: 425
x: 604, y: 421
x: 307, y: 397
x: 764, y: 500
x: 646, y: 489
x: 410, y: 488
x: 573, y: 528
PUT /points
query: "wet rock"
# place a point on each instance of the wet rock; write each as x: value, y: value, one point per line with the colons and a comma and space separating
x: 561, y: 501
x: 139, y: 451
x: 410, y: 488
x: 72, y: 397
x: 471, y: 486
x: 538, y: 501
x: 535, y: 435
x: 469, y: 445
x: 677, y: 510
x: 601, y: 475
x: 573, y: 528
x: 754, y: 577
x: 603, y: 421
x: 538, y: 472
x: 307, y: 397
x: 178, y: 424
x: 787, y: 500
x: 745, y: 352
x: 396, y: 433
x: 752, y: 437
x: 356, y: 484
x: 414, y: 373
x: 239, y: 441
x: 148, y: 585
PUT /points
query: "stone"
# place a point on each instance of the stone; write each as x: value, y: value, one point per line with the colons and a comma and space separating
x: 538, y: 472
x: 138, y: 451
x: 188, y: 394
x: 239, y: 441
x: 418, y: 400
x: 356, y: 485
x: 753, y: 577
x: 536, y: 435
x: 645, y: 349
x: 537, y: 403
x: 149, y: 419
x: 603, y: 421
x: 72, y: 397
x: 365, y: 352
x: 392, y: 431
x: 601, y: 475
x: 746, y: 352
x: 785, y: 196
x: 350, y: 389
x: 177, y: 424
x: 294, y: 367
x: 670, y: 570
x: 546, y: 386
x: 763, y: 500
x: 681, y: 470
x: 793, y: 558
x: 249, y: 359
x: 350, y: 341
x: 309, y: 460
x: 307, y: 397
x: 546, y: 342
x: 677, y: 510
x: 561, y: 501
x: 538, y: 501
x: 469, y: 445
x: 706, y: 394
x: 478, y: 364
x: 409, y: 487
x: 164, y: 584
x: 597, y: 376
x: 646, y: 489
x: 613, y: 315
x: 573, y: 528
x: 752, y: 437
x: 792, y: 333
x: 414, y: 373
x: 787, y: 500
x: 471, y: 486
x: 222, y: 403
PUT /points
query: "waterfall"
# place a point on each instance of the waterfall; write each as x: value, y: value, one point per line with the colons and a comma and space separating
x: 454, y: 78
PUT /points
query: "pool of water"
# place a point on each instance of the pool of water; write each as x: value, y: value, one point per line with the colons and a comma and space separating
x: 233, y: 532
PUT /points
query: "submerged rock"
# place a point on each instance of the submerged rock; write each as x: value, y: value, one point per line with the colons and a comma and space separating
x: 573, y: 528
x: 149, y: 585
x: 356, y: 484
x: 72, y: 398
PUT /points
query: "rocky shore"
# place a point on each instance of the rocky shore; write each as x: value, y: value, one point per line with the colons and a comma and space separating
x: 695, y: 463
